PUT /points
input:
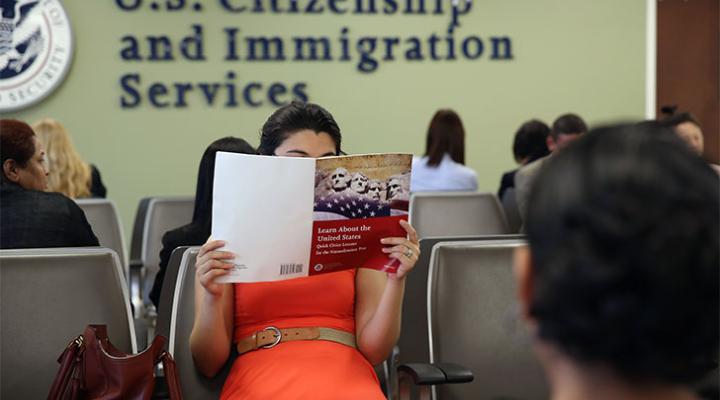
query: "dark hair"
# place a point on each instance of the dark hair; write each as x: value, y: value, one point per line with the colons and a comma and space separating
x: 672, y: 118
x: 16, y: 141
x: 623, y: 231
x: 445, y: 135
x: 294, y: 117
x: 202, y: 214
x: 568, y: 124
x: 531, y: 141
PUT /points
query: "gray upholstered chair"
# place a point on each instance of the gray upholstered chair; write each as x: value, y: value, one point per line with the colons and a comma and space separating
x: 457, y: 214
x: 155, y: 216
x: 47, y: 298
x: 512, y: 212
x: 413, y: 341
x: 474, y: 322
x: 177, y: 257
x: 182, y: 313
x: 102, y: 215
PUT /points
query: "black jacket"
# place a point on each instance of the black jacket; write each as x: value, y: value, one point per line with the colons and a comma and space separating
x: 506, y: 182
x: 187, y: 235
x: 34, y: 219
x: 97, y: 189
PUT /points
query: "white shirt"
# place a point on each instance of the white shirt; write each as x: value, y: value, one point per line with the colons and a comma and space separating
x: 448, y: 176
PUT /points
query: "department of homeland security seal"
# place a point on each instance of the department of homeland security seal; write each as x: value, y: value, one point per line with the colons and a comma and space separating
x: 35, y: 50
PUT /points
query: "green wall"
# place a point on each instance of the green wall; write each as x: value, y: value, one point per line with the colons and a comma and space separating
x: 585, y: 56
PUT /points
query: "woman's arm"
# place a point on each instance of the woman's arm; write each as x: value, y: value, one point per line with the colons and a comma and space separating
x: 211, y: 335
x: 379, y: 297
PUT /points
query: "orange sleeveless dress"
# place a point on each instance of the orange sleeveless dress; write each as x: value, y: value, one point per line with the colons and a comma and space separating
x: 314, y: 370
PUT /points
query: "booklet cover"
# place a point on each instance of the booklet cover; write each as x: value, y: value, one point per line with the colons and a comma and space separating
x: 290, y: 217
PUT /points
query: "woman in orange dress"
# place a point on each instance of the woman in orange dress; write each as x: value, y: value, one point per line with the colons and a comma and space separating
x: 356, y: 311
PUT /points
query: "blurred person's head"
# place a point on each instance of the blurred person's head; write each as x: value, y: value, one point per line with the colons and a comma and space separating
x: 530, y: 141
x: 300, y: 130
x: 202, y: 214
x: 71, y: 175
x: 23, y: 156
x: 445, y: 135
x: 565, y: 130
x: 686, y: 126
x: 621, y: 276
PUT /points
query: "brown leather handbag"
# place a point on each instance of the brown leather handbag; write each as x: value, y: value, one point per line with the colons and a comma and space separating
x: 92, y: 368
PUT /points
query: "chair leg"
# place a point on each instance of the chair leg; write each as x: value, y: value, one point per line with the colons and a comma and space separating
x: 405, y: 384
x: 425, y: 392
x: 392, y: 374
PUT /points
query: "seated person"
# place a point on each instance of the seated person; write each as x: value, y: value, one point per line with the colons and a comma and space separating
x: 32, y: 218
x: 530, y: 144
x: 688, y: 128
x: 71, y: 176
x: 359, y: 307
x: 443, y: 166
x: 620, y: 281
x: 565, y: 130
x: 198, y: 231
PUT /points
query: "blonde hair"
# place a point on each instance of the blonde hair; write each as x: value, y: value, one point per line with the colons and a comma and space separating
x: 69, y: 174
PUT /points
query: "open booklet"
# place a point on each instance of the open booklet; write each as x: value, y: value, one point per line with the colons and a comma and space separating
x: 288, y: 217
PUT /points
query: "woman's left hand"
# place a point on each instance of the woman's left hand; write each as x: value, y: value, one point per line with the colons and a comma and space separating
x: 406, y: 250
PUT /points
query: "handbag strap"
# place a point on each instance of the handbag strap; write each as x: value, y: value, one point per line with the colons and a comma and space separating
x: 169, y: 368
x: 171, y: 376
x: 65, y: 378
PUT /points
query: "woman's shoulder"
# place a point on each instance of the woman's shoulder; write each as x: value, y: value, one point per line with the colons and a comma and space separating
x: 418, y: 161
x: 463, y: 169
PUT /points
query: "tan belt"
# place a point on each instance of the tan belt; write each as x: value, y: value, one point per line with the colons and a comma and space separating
x: 272, y: 336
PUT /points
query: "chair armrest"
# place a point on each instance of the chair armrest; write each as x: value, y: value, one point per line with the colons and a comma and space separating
x: 455, y: 373
x: 422, y: 374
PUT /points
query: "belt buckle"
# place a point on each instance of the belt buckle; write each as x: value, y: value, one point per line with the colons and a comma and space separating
x: 278, y: 337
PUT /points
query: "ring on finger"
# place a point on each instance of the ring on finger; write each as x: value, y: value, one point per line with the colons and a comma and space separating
x: 408, y: 253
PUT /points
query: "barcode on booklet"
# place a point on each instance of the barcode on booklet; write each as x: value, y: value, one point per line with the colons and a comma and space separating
x: 287, y: 269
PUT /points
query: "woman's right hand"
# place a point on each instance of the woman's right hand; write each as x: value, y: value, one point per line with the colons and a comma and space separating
x: 210, y: 264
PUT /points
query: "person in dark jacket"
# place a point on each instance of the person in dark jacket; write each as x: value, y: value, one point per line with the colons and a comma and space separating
x: 197, y: 232
x: 30, y: 217
x: 530, y: 144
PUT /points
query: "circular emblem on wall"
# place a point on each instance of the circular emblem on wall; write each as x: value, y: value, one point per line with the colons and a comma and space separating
x: 35, y: 50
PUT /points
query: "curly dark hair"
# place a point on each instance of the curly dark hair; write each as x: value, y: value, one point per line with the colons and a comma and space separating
x: 295, y: 117
x: 623, y: 231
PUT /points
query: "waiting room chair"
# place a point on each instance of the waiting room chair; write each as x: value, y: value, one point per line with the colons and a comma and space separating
x: 182, y: 314
x: 47, y: 297
x: 178, y: 257
x: 512, y: 212
x: 457, y: 214
x: 103, y: 217
x: 413, y: 342
x: 474, y: 322
x: 155, y: 216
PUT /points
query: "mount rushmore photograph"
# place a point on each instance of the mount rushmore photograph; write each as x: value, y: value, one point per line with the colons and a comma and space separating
x: 367, y: 186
